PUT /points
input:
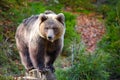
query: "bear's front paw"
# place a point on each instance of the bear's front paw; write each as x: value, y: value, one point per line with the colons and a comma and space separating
x: 43, y: 70
x: 29, y: 69
x: 51, y: 68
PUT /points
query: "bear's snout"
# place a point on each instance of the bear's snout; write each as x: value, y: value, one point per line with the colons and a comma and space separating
x: 50, y: 35
x: 50, y: 38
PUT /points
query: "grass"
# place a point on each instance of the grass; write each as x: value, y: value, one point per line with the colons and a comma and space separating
x: 6, y: 77
x: 86, y: 66
x: 111, y: 40
x: 70, y: 34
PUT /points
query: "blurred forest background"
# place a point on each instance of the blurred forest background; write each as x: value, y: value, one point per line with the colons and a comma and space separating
x: 92, y: 39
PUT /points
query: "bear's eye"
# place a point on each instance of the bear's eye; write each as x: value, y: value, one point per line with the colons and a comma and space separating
x: 55, y: 29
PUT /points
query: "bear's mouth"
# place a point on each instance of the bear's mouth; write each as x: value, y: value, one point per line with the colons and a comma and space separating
x: 50, y: 39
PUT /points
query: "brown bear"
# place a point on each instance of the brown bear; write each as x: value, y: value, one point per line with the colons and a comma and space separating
x: 40, y: 39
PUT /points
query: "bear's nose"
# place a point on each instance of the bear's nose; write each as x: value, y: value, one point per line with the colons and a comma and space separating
x: 49, y: 37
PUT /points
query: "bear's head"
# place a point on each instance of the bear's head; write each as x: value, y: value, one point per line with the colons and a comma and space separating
x: 52, y: 26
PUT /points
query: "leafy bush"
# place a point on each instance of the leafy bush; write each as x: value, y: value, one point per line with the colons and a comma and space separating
x: 118, y: 12
x: 110, y: 44
x: 89, y: 68
x: 86, y: 66
x: 111, y: 41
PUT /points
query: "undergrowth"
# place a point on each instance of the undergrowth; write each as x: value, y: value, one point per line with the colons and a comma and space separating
x: 86, y: 66
x: 111, y: 40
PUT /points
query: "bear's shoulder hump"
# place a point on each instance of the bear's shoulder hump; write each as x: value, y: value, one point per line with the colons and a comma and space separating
x: 30, y: 20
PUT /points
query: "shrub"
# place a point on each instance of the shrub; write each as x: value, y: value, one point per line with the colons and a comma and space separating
x: 86, y: 66
x: 89, y: 66
x: 111, y: 41
x: 110, y: 44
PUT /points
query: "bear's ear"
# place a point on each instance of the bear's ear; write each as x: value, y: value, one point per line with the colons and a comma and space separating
x: 61, y: 18
x: 42, y: 17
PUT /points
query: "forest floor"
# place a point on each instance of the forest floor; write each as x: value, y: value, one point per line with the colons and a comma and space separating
x: 91, y: 30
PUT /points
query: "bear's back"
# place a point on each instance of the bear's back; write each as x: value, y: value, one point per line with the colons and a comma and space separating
x: 30, y: 21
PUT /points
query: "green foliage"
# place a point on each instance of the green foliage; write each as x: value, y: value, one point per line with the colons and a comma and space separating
x: 25, y: 11
x: 8, y: 55
x: 112, y: 2
x: 86, y: 66
x: 61, y: 74
x: 70, y: 34
x: 36, y: 8
x: 111, y: 41
x: 118, y: 12
x: 78, y: 5
x: 112, y: 38
x: 90, y: 67
x: 103, y: 9
x: 6, y: 77
x: 54, y: 5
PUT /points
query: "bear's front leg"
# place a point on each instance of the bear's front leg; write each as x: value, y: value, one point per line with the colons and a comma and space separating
x: 24, y: 54
x: 52, y: 54
x: 50, y: 61
x: 37, y: 52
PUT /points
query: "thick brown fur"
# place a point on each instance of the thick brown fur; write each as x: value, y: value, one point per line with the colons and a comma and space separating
x: 39, y: 40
